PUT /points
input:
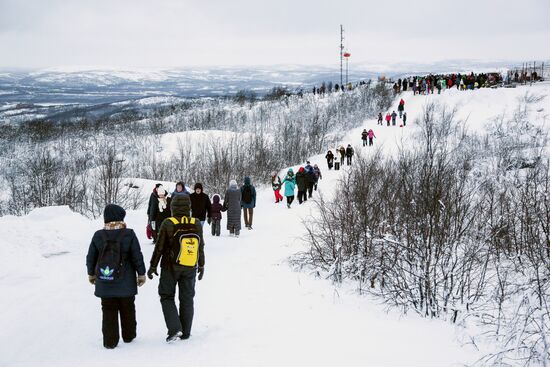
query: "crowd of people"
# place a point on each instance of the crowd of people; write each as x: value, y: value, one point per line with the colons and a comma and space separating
x: 440, y: 82
x: 305, y: 180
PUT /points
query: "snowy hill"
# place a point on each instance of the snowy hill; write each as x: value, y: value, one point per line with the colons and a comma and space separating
x: 252, y: 309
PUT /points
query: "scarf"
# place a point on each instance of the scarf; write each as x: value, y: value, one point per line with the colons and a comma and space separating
x: 114, y: 225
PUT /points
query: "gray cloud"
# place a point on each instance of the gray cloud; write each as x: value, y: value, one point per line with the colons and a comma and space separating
x: 43, y: 33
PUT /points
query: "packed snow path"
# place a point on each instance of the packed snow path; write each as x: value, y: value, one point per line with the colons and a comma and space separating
x: 251, y: 308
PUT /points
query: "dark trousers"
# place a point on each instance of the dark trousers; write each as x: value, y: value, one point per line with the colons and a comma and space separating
x: 185, y: 280
x: 341, y: 160
x: 216, y: 226
x: 349, y: 160
x: 330, y: 164
x: 289, y: 199
x: 370, y: 142
x: 364, y: 142
x: 302, y: 196
x: 112, y: 308
x: 310, y: 189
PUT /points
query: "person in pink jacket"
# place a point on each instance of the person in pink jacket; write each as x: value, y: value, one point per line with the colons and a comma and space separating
x: 371, y: 136
x: 388, y: 118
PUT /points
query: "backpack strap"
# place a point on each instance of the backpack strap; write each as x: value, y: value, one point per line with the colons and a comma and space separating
x: 174, y: 220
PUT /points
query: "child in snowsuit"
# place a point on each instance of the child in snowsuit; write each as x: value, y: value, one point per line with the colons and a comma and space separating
x: 405, y: 119
x: 388, y: 118
x: 215, y: 219
x: 276, y: 185
x: 290, y: 184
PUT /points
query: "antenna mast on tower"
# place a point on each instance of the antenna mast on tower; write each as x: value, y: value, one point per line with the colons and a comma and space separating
x: 341, y: 54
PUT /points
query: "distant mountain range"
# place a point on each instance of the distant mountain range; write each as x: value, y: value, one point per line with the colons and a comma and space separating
x: 30, y: 94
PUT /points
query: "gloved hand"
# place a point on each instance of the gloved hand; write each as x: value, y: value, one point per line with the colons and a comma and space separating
x: 152, y: 271
x: 91, y: 279
x: 141, y: 280
x: 209, y: 220
x: 201, y: 272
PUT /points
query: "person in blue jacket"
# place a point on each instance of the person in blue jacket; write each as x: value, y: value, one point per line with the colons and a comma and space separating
x: 117, y: 293
x: 248, y: 201
x: 290, y: 186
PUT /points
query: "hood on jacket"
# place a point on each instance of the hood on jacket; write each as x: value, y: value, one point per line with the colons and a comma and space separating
x: 233, y: 183
x: 216, y: 199
x: 247, y: 180
x: 182, y: 184
x: 113, y: 213
x: 301, y: 169
x: 198, y: 185
x: 180, y: 206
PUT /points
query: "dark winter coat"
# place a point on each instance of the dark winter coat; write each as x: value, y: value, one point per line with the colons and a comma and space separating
x: 180, y: 207
x: 153, y: 212
x: 217, y: 208
x: 247, y: 183
x: 132, y: 263
x: 276, y: 183
x: 329, y: 157
x: 349, y: 152
x: 310, y: 174
x: 343, y: 152
x: 301, y: 181
x: 364, y: 135
x: 200, y: 205
x: 232, y: 202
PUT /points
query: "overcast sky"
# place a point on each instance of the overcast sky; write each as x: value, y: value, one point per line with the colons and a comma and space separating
x: 177, y: 33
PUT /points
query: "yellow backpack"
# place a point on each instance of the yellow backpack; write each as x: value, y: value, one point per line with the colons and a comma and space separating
x: 185, y: 242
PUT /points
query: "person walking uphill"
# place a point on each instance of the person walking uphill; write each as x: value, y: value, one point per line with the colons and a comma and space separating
x: 364, y: 137
x: 330, y: 159
x: 301, y: 182
x: 232, y: 203
x: 290, y: 185
x: 180, y: 252
x: 113, y: 261
x: 200, y: 204
x: 388, y: 118
x: 248, y: 201
x: 158, y: 209
x: 216, y: 215
x: 349, y: 154
x: 393, y: 118
x: 276, y: 185
x: 371, y: 136
x: 342, y: 151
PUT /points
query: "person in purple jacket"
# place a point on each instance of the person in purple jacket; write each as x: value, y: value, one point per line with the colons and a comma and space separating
x: 215, y: 219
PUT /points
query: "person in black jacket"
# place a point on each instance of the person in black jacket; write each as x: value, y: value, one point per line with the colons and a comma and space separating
x: 172, y: 274
x: 364, y: 137
x: 158, y: 208
x: 117, y: 296
x: 301, y: 182
x: 200, y: 204
x: 330, y: 159
x: 349, y: 154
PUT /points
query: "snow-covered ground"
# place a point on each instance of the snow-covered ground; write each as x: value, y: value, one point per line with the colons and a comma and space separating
x: 252, y: 309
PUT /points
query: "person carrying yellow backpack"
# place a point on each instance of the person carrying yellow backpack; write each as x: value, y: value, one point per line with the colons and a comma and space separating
x: 180, y: 251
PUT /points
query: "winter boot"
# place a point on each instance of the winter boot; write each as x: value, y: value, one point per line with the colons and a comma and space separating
x: 172, y: 338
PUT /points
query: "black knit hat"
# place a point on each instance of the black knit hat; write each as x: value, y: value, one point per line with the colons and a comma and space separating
x: 198, y: 185
x: 180, y: 205
x: 113, y: 213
